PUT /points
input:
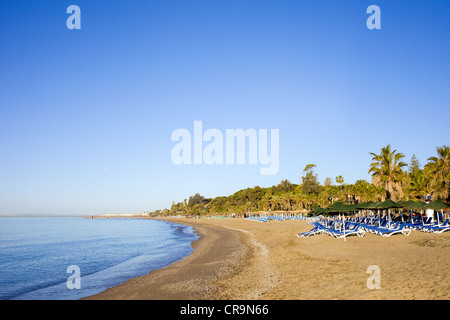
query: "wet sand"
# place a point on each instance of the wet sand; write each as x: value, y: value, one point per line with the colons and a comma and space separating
x: 246, y: 260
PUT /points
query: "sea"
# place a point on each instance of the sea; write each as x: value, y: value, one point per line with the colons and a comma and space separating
x: 69, y: 258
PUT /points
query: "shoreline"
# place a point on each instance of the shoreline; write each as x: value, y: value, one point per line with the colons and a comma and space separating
x: 241, y: 259
x: 217, y: 254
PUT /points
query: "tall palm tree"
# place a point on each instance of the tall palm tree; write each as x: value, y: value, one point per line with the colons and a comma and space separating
x: 438, y: 170
x: 387, y: 171
x: 340, y: 181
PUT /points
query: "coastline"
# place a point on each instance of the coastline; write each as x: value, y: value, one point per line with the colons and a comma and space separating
x: 217, y: 254
x: 239, y: 259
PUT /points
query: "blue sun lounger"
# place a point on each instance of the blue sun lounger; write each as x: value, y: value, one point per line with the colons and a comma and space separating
x: 437, y: 228
x: 373, y: 227
x: 347, y: 231
x: 420, y: 224
x: 318, y: 229
x: 398, y: 228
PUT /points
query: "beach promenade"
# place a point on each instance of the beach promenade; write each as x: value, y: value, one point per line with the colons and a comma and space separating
x: 244, y: 259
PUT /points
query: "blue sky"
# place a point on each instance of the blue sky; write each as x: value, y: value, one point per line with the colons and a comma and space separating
x: 86, y: 115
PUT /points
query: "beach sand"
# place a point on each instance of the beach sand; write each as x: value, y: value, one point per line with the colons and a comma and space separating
x: 246, y: 260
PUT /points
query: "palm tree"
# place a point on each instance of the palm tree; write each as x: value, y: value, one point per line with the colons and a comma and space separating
x: 323, y: 198
x: 289, y: 199
x: 277, y: 202
x: 363, y: 190
x: 266, y: 200
x: 418, y: 185
x: 340, y: 181
x: 387, y: 171
x: 296, y: 200
x: 438, y: 170
x: 303, y: 200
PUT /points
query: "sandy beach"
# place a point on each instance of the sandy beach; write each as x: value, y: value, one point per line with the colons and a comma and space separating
x: 246, y: 260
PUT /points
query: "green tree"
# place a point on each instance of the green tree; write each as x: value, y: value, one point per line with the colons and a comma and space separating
x: 414, y: 164
x: 387, y: 171
x: 365, y: 191
x: 340, y: 181
x: 196, y: 199
x: 284, y: 186
x: 310, y: 183
x: 438, y: 170
x: 418, y: 185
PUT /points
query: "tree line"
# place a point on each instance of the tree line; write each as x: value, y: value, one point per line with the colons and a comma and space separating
x: 391, y: 178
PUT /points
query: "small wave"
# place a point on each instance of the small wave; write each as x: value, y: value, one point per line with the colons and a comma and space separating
x: 185, y: 229
x: 131, y: 249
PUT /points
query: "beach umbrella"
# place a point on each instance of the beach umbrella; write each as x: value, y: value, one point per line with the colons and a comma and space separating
x: 366, y: 205
x: 375, y: 205
x: 315, y: 211
x: 318, y: 211
x: 347, y: 207
x: 333, y: 209
x: 387, y: 205
x: 436, y: 205
x: 406, y: 204
x: 352, y: 207
x: 403, y: 204
x: 370, y: 205
x: 414, y: 205
x: 338, y: 208
x: 324, y: 211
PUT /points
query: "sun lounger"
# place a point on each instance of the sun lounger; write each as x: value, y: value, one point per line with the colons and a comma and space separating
x: 440, y: 229
x: 318, y: 229
x: 355, y: 230
x: 427, y: 221
x: 414, y: 224
x: 387, y: 232
x: 373, y: 227
x: 421, y: 224
x: 437, y: 228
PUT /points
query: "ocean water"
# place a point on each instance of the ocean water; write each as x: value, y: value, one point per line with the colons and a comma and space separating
x: 36, y: 254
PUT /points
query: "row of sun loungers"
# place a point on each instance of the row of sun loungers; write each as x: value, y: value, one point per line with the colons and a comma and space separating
x: 433, y: 228
x: 381, y: 227
x: 388, y: 230
x: 335, y: 229
x: 267, y: 218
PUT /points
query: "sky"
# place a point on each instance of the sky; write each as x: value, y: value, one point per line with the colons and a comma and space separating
x: 86, y: 115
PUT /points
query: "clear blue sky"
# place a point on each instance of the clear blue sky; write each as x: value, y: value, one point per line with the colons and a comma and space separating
x: 86, y: 115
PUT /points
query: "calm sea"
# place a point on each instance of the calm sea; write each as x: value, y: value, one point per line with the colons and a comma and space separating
x: 36, y: 253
